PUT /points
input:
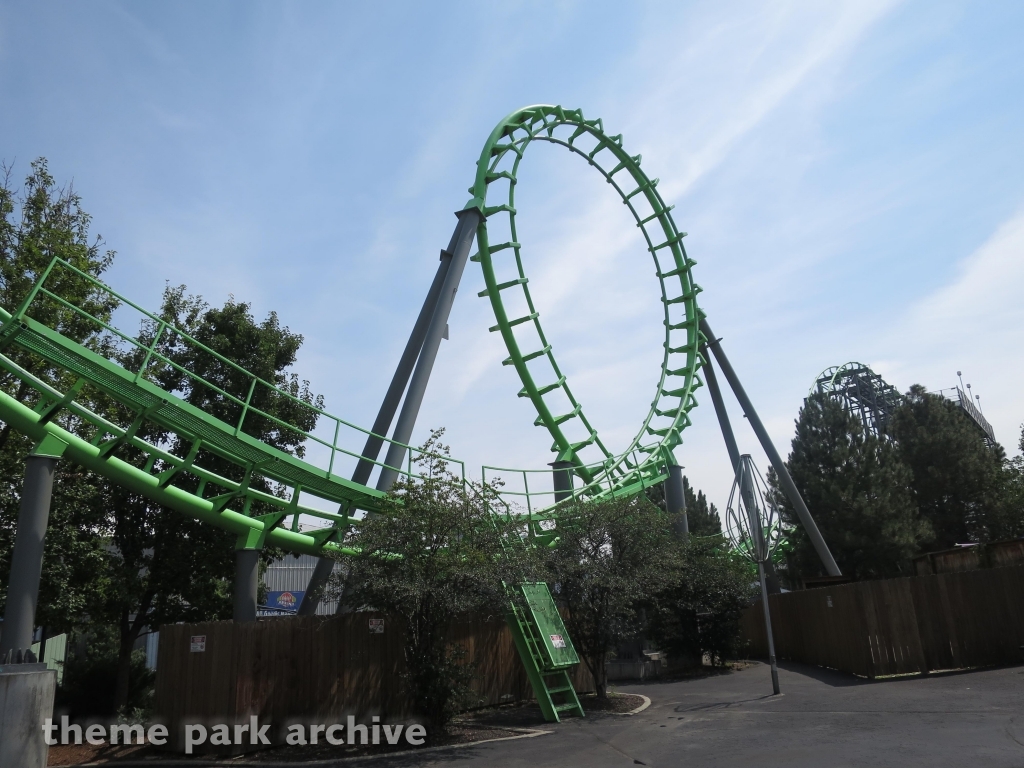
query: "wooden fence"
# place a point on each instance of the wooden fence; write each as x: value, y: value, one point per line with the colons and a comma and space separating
x: 316, y: 669
x: 898, y: 626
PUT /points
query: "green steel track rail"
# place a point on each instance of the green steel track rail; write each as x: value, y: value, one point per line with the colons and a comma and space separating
x: 497, y: 171
x: 56, y: 408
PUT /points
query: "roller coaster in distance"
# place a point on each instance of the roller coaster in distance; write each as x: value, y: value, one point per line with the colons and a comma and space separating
x: 335, y: 469
x: 872, y: 401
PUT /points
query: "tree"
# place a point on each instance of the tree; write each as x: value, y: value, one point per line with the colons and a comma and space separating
x: 956, y: 479
x: 38, y: 223
x: 701, y: 516
x: 434, y: 553
x: 612, y: 555
x: 697, y: 612
x: 1006, y: 521
x: 162, y: 567
x: 858, y: 491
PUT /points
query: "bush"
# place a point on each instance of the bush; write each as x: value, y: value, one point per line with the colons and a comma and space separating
x: 434, y: 553
x: 87, y: 690
x: 612, y: 555
x: 698, y: 611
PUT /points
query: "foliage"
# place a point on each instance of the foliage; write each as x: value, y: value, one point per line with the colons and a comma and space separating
x: 90, y: 675
x: 112, y: 557
x: 697, y: 612
x: 163, y: 567
x: 858, y: 491
x: 701, y: 516
x: 37, y: 223
x: 612, y: 555
x: 1005, y: 520
x: 957, y: 480
x: 434, y: 554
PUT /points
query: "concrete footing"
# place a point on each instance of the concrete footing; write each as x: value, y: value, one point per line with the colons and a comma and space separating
x: 26, y: 700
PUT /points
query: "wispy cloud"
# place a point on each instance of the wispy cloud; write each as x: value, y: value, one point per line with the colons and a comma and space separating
x: 974, y: 324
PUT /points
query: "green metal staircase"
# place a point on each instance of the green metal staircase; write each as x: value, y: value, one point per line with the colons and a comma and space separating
x: 546, y: 651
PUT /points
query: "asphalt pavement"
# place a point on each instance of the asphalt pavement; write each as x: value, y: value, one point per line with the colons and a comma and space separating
x: 822, y: 719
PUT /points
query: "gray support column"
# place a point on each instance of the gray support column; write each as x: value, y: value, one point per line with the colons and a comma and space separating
x: 768, y: 630
x: 745, y: 470
x: 247, y: 573
x: 675, y: 499
x: 774, y: 585
x: 723, y: 415
x: 405, y: 365
x: 561, y: 473
x: 468, y: 220
x: 788, y: 486
x: 27, y: 558
x: 381, y: 425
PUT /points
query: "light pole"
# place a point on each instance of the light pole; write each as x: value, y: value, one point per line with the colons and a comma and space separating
x: 752, y: 523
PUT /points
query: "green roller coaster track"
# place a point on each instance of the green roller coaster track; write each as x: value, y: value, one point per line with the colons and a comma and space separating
x: 94, y: 440
x: 119, y: 365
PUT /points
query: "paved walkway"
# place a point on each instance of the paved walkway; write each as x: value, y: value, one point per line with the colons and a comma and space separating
x: 822, y: 720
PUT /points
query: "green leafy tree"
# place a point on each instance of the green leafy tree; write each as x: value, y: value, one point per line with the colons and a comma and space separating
x: 38, y: 222
x: 857, y: 489
x: 957, y: 480
x: 162, y: 567
x: 612, y: 555
x: 697, y: 612
x: 433, y: 554
x: 1006, y: 519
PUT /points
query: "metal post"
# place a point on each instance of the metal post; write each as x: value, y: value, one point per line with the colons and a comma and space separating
x: 561, y: 472
x: 768, y: 631
x: 247, y: 571
x: 745, y: 470
x: 27, y: 558
x: 675, y: 500
x: 468, y: 220
x: 774, y: 585
x: 773, y: 455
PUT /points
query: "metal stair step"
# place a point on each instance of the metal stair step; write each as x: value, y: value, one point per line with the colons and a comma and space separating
x: 567, y: 707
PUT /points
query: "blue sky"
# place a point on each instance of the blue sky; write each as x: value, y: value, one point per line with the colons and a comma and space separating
x: 851, y: 176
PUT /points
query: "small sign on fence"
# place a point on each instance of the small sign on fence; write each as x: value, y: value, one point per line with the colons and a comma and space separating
x: 376, y: 626
x: 557, y: 641
x: 198, y: 644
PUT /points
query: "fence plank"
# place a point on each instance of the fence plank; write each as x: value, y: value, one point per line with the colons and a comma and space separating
x: 898, y: 626
x: 318, y: 669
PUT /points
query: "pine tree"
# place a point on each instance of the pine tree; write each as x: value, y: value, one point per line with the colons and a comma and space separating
x: 858, y: 492
x: 701, y: 516
x: 957, y: 479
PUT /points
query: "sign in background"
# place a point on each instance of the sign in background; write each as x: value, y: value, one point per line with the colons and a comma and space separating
x: 287, y: 601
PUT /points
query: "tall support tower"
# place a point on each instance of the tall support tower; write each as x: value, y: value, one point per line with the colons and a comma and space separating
x: 862, y: 393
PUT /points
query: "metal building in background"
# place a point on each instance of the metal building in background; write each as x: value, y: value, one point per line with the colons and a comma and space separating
x: 286, y: 581
x: 862, y: 393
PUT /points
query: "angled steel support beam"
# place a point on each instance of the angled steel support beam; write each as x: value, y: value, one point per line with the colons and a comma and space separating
x: 406, y: 364
x: 468, y: 221
x: 788, y: 486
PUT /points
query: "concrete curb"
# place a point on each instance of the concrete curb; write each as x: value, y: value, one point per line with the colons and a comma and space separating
x: 523, y: 733
x: 638, y: 710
